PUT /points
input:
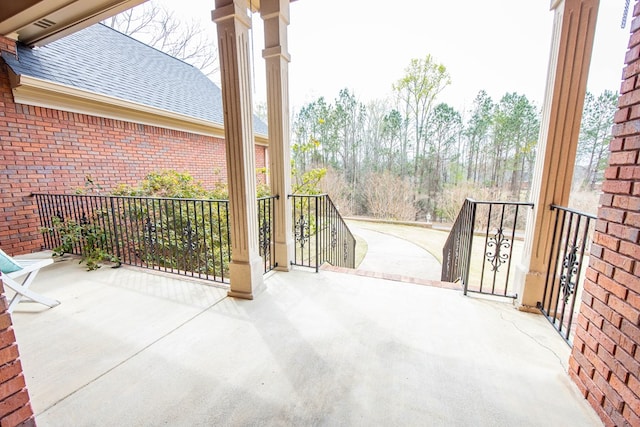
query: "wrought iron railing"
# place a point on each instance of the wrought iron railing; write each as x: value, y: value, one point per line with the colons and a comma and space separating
x: 320, y: 233
x: 184, y: 236
x: 266, y: 222
x: 456, y: 254
x: 479, y: 250
x: 572, y: 234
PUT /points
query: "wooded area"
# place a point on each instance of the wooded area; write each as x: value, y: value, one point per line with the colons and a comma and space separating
x: 409, y: 156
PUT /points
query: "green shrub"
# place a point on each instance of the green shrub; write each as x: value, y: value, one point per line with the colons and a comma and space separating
x: 90, y: 239
x: 166, y: 183
x: 174, y: 234
x: 191, y: 234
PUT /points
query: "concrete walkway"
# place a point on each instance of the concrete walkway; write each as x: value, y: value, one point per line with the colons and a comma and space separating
x: 392, y: 255
x: 131, y: 348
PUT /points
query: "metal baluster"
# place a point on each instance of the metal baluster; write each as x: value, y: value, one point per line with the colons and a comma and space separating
x: 210, y: 237
x: 564, y: 230
x: 513, y: 239
x: 470, y: 228
x: 498, y: 242
x: 486, y: 241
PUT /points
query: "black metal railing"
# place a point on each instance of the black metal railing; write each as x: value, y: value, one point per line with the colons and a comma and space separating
x: 184, y: 236
x: 572, y: 234
x: 479, y: 250
x: 456, y: 254
x: 266, y: 223
x: 320, y: 233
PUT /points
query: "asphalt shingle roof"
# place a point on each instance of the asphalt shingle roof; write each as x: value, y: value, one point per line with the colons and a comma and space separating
x: 103, y: 60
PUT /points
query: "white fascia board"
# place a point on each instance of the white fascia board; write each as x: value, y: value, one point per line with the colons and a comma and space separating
x: 43, y: 93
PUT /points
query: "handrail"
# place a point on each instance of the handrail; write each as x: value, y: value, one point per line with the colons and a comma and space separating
x: 500, y: 202
x: 573, y: 211
x: 185, y: 199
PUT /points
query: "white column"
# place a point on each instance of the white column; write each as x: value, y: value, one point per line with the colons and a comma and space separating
x: 571, y: 47
x: 246, y: 268
x: 275, y: 14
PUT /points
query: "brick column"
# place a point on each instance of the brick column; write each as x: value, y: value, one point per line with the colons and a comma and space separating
x: 15, y: 406
x: 246, y: 268
x: 572, y: 43
x: 605, y: 360
x: 275, y: 14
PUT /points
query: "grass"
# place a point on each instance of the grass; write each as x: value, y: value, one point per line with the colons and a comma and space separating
x: 361, y: 250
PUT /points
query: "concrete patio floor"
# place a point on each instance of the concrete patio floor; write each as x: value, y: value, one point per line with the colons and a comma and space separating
x: 133, y: 348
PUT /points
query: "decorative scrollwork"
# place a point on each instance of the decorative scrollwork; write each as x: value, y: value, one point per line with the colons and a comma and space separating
x: 346, y: 250
x: 189, y: 237
x: 149, y: 233
x: 569, y: 273
x: 334, y: 237
x: 447, y: 264
x: 302, y: 233
x: 83, y: 219
x: 265, y: 238
x: 84, y: 222
x: 497, y: 253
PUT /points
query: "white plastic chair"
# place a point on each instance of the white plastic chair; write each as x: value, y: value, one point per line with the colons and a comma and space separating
x: 29, y: 269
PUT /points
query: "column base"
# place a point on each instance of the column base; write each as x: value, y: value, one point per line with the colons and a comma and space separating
x: 530, y: 289
x: 246, y: 278
x: 284, y: 255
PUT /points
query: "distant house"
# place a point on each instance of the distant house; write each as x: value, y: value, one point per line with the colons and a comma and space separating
x: 100, y: 103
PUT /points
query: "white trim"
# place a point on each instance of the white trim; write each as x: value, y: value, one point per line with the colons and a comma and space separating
x: 43, y: 93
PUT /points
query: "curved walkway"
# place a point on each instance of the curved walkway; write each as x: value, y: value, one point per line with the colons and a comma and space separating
x: 393, y: 256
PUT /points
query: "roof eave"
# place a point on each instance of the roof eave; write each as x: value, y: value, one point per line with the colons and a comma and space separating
x: 41, y: 22
x: 43, y: 93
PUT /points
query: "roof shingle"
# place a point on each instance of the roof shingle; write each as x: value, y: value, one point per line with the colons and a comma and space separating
x: 102, y: 60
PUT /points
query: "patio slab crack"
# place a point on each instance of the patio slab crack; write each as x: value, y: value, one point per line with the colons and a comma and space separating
x: 532, y: 338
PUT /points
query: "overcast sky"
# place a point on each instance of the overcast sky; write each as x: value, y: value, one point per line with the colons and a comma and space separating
x: 497, y: 45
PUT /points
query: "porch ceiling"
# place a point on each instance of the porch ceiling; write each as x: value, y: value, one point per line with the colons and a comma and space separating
x: 37, y: 22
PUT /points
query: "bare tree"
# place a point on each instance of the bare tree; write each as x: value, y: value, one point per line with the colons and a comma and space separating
x: 595, y: 135
x: 159, y: 27
x: 388, y: 196
x: 423, y: 81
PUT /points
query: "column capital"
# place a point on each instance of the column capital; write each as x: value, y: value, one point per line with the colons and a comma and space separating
x: 234, y: 10
x: 272, y: 8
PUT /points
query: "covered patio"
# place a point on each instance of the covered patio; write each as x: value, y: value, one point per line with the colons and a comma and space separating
x: 129, y: 347
x: 133, y: 347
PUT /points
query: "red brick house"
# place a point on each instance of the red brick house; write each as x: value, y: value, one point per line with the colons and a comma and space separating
x: 605, y: 361
x: 98, y: 103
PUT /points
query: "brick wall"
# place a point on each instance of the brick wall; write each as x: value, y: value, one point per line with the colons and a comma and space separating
x: 15, y: 406
x: 45, y: 150
x: 605, y: 361
x: 7, y: 45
